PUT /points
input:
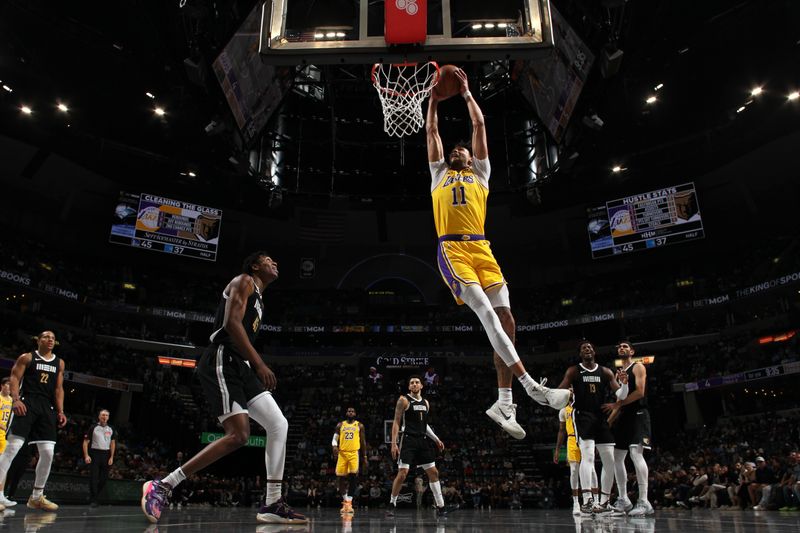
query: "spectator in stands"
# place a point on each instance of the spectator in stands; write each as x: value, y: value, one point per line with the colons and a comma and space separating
x: 761, y: 488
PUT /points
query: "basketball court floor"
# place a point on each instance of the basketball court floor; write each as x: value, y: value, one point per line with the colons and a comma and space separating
x: 73, y: 519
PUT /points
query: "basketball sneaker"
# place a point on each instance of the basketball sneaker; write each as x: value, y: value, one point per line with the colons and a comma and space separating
x: 443, y: 511
x: 155, y: 496
x: 601, y: 508
x: 576, y: 508
x: 279, y: 513
x: 642, y: 508
x: 347, y: 507
x: 621, y: 507
x: 390, y: 511
x: 41, y: 503
x: 586, y: 508
x: 5, y: 502
x: 555, y: 398
x: 506, y: 417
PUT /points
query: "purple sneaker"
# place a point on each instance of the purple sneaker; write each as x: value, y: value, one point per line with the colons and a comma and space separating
x: 155, y: 496
x: 279, y: 513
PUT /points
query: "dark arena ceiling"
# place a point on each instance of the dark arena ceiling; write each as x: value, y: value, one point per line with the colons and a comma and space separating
x: 101, y: 59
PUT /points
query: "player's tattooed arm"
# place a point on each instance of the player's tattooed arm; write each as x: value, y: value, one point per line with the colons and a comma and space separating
x: 399, y: 409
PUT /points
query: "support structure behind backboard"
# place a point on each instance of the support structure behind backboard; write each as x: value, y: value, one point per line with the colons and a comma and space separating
x: 459, y: 30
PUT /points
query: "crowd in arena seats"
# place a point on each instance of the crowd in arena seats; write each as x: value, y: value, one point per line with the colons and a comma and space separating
x: 708, y: 466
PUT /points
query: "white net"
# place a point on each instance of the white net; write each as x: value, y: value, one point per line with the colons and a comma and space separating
x: 402, y: 88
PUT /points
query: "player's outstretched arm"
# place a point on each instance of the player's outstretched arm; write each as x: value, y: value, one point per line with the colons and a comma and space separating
x: 480, y: 149
x: 435, y: 150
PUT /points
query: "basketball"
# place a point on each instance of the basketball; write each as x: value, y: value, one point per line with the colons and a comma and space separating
x: 449, y: 84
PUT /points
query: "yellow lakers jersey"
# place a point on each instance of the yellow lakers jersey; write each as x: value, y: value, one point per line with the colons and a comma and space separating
x: 459, y: 198
x: 5, y: 412
x: 570, y: 425
x: 349, y: 436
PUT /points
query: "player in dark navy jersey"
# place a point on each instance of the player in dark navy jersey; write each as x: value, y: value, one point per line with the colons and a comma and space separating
x: 592, y: 384
x: 630, y: 422
x: 237, y: 384
x: 416, y: 444
x: 37, y: 380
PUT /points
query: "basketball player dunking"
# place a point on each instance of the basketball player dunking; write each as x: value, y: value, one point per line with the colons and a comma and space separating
x: 630, y: 422
x: 459, y: 190
x: 237, y: 385
x: 348, y: 439
x: 415, y: 448
x: 591, y: 384
x: 37, y: 389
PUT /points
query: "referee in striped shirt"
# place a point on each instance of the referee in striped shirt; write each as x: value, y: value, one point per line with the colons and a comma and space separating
x: 99, y: 445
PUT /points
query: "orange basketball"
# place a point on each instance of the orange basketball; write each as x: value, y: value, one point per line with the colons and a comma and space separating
x: 449, y: 84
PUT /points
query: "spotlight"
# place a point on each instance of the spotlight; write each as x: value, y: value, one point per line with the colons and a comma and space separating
x: 502, y: 25
x: 150, y: 95
x: 756, y: 91
x: 489, y: 25
x: 477, y: 26
x: 319, y: 35
x: 192, y: 174
x: 659, y: 86
x: 25, y: 109
x: 159, y: 111
x: 793, y: 96
x: 616, y: 169
x: 330, y: 34
x: 340, y: 34
x: 62, y: 107
x: 740, y: 109
x: 7, y: 88
x: 651, y: 99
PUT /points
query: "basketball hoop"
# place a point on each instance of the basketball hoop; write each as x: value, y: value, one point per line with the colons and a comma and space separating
x: 401, y: 88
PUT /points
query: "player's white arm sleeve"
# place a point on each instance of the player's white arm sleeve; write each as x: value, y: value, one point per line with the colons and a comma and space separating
x: 429, y: 432
x: 622, y: 392
x: 335, y: 441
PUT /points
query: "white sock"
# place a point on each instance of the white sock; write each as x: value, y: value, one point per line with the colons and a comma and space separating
x: 266, y: 412
x: 393, y: 500
x: 575, y: 499
x: 2, y: 495
x: 46, y: 452
x: 504, y: 395
x: 37, y: 493
x: 273, y: 492
x: 527, y: 381
x: 175, y: 478
x: 348, y: 498
x: 436, y: 489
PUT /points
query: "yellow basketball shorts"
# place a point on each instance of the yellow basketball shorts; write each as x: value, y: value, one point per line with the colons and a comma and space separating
x: 468, y: 262
x: 573, y: 452
x: 3, y: 441
x: 347, y: 463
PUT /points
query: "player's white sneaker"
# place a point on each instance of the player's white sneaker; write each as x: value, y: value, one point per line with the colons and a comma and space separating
x: 506, y: 417
x: 6, y: 502
x: 621, y: 507
x: 642, y: 508
x: 555, y: 398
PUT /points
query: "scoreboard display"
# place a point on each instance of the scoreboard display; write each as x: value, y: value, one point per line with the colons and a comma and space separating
x: 165, y: 225
x: 643, y: 221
